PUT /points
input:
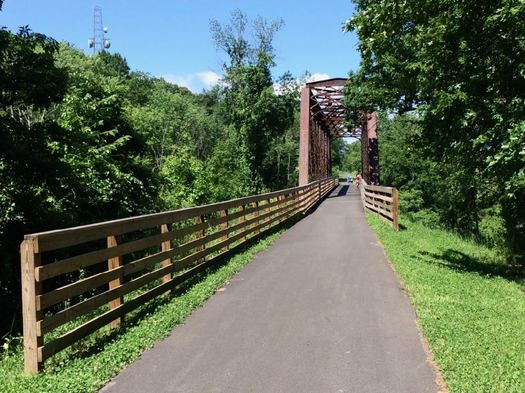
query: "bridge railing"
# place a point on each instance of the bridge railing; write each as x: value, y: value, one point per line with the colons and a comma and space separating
x: 382, y: 201
x: 78, y: 280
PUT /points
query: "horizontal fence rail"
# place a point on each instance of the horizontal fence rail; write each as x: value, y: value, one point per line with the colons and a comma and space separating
x: 383, y: 201
x: 78, y: 280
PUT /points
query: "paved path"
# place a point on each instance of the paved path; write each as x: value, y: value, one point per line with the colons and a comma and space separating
x: 318, y: 311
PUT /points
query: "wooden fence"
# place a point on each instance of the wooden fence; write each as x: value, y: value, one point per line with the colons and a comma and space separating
x: 383, y: 201
x: 78, y: 280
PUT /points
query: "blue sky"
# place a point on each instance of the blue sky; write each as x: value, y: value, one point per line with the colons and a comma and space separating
x: 172, y: 38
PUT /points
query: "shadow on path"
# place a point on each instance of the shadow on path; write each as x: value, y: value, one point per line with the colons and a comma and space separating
x: 341, y: 192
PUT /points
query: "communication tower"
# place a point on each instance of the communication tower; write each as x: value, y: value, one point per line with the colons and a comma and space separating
x: 99, y: 41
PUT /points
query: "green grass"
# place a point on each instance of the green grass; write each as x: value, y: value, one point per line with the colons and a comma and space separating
x: 94, y: 361
x: 470, y: 305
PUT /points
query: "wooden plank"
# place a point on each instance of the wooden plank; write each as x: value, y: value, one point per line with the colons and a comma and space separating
x: 88, y: 305
x: 91, y: 304
x: 76, y: 288
x: 94, y: 324
x: 30, y: 290
x: 386, y: 190
x: 81, y: 286
x: 52, y: 240
x: 378, y: 196
x: 115, y: 263
x: 91, y: 258
x: 305, y: 197
x: 395, y: 209
x: 309, y: 194
x: 379, y: 203
x: 377, y: 209
x: 311, y: 199
x: 275, y: 216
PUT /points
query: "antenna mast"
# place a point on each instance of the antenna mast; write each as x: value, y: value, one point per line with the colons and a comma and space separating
x: 99, y: 41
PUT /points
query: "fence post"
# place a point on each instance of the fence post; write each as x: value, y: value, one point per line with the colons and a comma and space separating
x: 320, y: 195
x: 256, y: 214
x: 267, y: 210
x: 242, y: 219
x: 362, y: 191
x: 310, y: 194
x: 200, y: 235
x: 395, y: 209
x: 279, y: 205
x: 165, y: 246
x: 224, y: 225
x: 30, y: 290
x: 114, y: 263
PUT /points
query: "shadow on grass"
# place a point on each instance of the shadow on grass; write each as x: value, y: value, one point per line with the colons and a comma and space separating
x: 87, y: 348
x: 459, y: 261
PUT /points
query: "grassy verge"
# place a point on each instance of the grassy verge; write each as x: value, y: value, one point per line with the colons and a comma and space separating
x: 90, y: 366
x: 470, y: 306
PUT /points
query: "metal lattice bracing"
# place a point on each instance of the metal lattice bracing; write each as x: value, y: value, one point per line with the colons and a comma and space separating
x: 322, y: 121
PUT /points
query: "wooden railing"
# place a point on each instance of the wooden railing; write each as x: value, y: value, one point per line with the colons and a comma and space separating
x: 383, y: 201
x: 78, y: 280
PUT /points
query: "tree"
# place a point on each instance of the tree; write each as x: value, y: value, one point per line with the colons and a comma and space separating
x: 339, y: 151
x: 30, y: 84
x: 103, y: 151
x: 460, y: 66
x: 253, y: 112
x: 352, y: 158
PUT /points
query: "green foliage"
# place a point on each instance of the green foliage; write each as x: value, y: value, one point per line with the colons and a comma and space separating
x: 469, y: 303
x: 182, y: 176
x: 460, y: 66
x: 256, y: 117
x: 339, y: 151
x: 104, y: 154
x: 29, y: 84
x: 346, y: 157
x: 84, y: 139
x: 352, y: 159
x: 228, y: 174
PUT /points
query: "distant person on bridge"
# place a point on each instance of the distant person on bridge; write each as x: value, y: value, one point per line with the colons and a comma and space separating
x: 357, y: 180
x: 349, y: 179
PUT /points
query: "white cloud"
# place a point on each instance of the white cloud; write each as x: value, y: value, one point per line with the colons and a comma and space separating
x: 180, y: 80
x: 317, y: 76
x: 208, y: 78
x: 195, y: 81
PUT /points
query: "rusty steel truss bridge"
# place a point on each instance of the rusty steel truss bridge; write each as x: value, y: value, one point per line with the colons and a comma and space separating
x: 322, y: 121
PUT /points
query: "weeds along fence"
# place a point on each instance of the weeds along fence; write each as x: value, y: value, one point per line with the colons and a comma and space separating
x: 382, y: 201
x: 78, y: 280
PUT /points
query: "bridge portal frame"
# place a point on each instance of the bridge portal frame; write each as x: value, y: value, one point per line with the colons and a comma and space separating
x: 322, y: 121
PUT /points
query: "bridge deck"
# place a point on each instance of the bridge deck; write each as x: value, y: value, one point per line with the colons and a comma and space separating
x: 318, y: 311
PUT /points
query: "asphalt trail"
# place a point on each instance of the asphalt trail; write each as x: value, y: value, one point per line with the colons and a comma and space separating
x: 318, y: 311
